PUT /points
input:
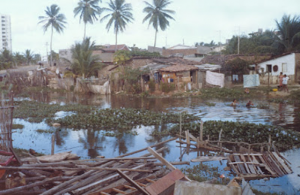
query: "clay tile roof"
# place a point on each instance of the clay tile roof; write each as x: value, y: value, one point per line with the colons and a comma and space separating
x: 179, y: 68
x: 113, y: 47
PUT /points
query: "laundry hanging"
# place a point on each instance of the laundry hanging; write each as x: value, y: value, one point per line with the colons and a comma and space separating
x: 215, y: 78
x: 251, y: 80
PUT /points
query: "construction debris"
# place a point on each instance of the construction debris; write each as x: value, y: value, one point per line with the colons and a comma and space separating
x: 60, y: 174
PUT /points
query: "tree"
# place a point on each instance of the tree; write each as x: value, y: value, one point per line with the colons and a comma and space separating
x: 54, y: 19
x: 18, y: 59
x: 121, y: 56
x: 88, y: 10
x: 29, y: 56
x: 55, y: 56
x: 6, y: 59
x: 84, y: 62
x: 289, y: 32
x: 119, y: 15
x: 158, y: 15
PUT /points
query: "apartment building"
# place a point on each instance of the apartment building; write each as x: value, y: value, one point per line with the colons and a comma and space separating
x: 5, y: 33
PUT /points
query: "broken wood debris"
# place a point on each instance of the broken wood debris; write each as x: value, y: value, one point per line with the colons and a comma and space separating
x: 60, y: 173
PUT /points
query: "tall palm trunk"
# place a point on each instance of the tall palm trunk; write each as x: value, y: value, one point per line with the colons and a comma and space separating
x: 155, y: 38
x: 51, y: 46
x: 116, y: 41
x: 84, y: 31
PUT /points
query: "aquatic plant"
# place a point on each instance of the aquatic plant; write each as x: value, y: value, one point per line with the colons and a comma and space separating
x: 203, y: 172
x: 37, y: 111
x: 119, y: 119
x: 243, y: 132
x: 17, y: 126
x: 209, y: 104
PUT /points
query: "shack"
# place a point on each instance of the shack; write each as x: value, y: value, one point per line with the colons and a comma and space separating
x: 180, y: 74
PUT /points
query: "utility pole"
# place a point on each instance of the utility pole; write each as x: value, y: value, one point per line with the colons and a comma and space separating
x: 239, y: 42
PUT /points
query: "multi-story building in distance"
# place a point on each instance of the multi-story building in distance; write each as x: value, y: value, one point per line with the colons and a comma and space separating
x: 5, y: 33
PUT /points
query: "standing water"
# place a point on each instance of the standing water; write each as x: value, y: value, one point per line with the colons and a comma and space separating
x: 97, y: 142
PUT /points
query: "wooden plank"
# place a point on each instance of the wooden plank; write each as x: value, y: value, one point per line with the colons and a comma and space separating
x: 208, y: 158
x: 129, y: 187
x: 141, y: 184
x: 187, y: 137
x: 73, y: 169
x: 276, y: 164
x: 257, y: 167
x: 165, y: 182
x: 192, y: 137
x: 282, y: 162
x: 161, y: 159
x: 267, y: 166
x: 240, y: 166
x: 246, y: 166
x: 150, y: 180
x: 119, y: 191
x: 258, y: 154
x: 233, y: 167
x: 142, y: 190
x: 272, y: 164
x: 137, y: 151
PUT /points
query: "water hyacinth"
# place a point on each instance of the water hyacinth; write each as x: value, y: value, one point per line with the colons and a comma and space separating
x: 119, y: 119
x: 243, y: 132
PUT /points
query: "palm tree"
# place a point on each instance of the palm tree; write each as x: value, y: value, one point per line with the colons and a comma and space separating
x: 84, y: 63
x: 88, y: 10
x: 29, y: 56
x: 120, y: 14
x: 18, y: 58
x: 289, y: 31
x: 54, y: 19
x: 158, y: 15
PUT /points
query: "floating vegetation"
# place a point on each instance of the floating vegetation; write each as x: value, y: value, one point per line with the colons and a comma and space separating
x: 262, y: 106
x: 17, y: 126
x: 203, y: 172
x: 243, y: 132
x: 37, y: 111
x: 119, y: 119
x: 45, y: 131
x: 210, y: 104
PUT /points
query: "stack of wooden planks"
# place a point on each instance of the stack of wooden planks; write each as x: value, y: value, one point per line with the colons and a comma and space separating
x: 58, y: 174
x: 259, y: 165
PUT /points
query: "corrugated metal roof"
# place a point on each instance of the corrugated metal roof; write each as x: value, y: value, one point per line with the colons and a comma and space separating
x: 179, y: 68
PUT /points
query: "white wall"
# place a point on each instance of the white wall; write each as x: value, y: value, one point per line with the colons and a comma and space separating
x: 288, y: 59
x: 5, y: 32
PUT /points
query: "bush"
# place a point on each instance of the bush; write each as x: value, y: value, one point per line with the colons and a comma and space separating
x: 167, y: 87
x: 152, y: 85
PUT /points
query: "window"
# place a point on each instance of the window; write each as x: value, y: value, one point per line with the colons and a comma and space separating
x: 284, y: 67
x: 275, y: 68
x: 269, y: 68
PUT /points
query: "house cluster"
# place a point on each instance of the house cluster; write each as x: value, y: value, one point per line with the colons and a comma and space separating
x: 190, y: 68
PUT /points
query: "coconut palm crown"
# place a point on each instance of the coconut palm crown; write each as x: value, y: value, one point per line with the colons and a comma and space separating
x: 158, y: 15
x: 119, y: 15
x: 289, y: 32
x: 53, y: 19
x: 84, y: 63
x: 88, y: 10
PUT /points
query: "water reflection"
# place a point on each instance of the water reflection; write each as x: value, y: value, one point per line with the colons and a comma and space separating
x: 93, y: 143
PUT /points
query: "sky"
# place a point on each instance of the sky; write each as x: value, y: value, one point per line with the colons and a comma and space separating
x: 195, y: 21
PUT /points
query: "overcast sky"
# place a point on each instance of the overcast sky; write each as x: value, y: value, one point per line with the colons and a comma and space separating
x: 195, y: 21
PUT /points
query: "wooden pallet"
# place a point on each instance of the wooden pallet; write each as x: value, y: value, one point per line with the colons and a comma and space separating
x: 259, y: 165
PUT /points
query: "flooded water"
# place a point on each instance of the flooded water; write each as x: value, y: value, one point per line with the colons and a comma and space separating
x: 92, y: 143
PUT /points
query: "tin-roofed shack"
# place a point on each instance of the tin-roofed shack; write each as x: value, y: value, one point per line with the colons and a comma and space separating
x: 180, y: 74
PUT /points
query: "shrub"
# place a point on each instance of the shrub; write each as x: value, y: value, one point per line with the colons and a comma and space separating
x: 152, y: 85
x: 167, y: 87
